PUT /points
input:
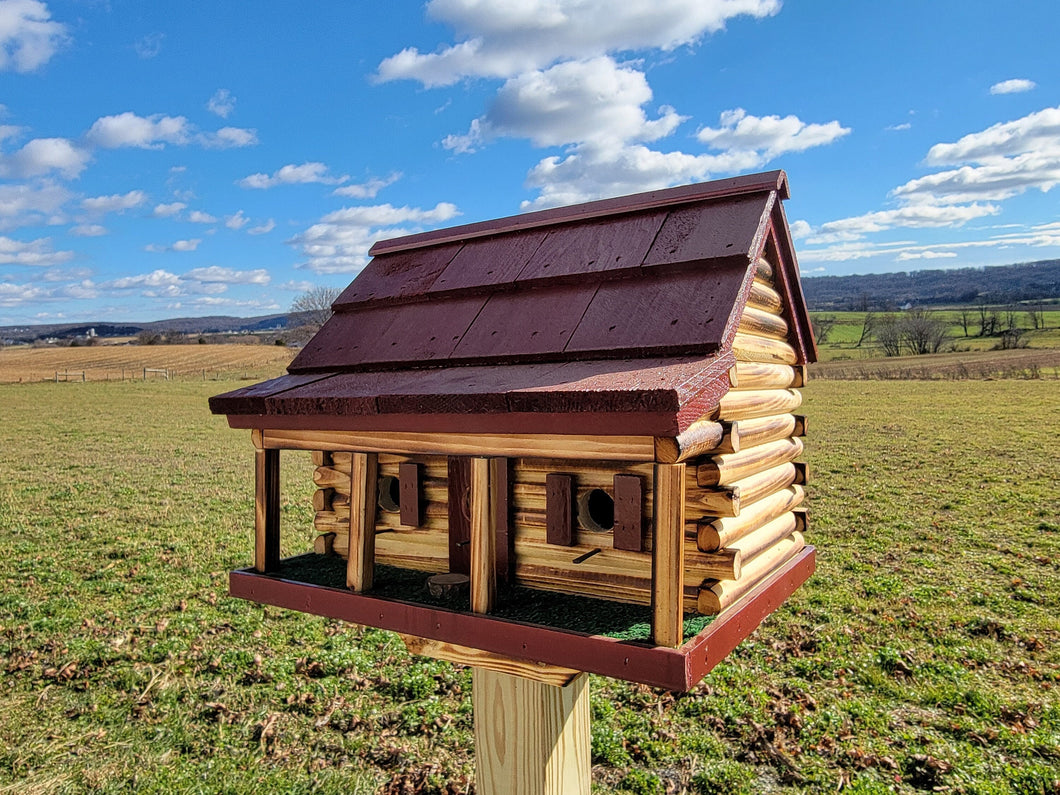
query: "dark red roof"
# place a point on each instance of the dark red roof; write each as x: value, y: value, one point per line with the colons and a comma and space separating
x: 619, y: 313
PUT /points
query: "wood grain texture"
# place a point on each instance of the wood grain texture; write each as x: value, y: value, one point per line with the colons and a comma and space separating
x: 762, y: 484
x: 618, y: 448
x: 483, y: 557
x: 717, y: 533
x: 728, y: 468
x: 628, y: 491
x: 668, y: 556
x: 754, y: 348
x: 530, y: 738
x: 700, y: 438
x: 360, y: 557
x: 757, y: 542
x: 459, y: 511
x: 763, y: 375
x: 559, y: 493
x: 712, y: 502
x: 764, y: 298
x: 764, y: 270
x: 266, y: 510
x: 553, y: 675
x: 741, y: 404
x: 724, y: 593
x: 762, y: 323
x: 762, y: 430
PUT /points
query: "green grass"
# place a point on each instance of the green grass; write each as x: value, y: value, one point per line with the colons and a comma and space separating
x: 924, y: 655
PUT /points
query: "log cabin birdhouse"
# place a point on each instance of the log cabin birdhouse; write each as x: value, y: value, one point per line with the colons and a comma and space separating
x: 589, y: 414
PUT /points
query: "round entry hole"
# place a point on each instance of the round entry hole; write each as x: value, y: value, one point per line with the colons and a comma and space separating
x: 389, y: 494
x: 596, y: 511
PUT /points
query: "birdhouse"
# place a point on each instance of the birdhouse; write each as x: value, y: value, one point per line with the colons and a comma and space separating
x: 535, y: 434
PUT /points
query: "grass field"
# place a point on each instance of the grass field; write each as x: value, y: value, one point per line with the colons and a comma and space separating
x: 24, y: 364
x: 923, y: 656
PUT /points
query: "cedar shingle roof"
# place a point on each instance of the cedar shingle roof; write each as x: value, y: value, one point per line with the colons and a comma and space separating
x: 615, y: 316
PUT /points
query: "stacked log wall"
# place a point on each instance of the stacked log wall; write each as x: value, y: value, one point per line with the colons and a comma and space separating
x: 747, y: 503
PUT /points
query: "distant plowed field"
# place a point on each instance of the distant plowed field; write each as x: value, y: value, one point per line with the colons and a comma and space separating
x: 1030, y: 363
x: 113, y: 362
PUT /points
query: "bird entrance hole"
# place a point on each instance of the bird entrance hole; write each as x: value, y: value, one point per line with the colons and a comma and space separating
x: 389, y: 498
x: 596, y: 511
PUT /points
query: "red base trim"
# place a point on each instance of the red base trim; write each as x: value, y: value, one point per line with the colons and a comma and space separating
x: 674, y: 669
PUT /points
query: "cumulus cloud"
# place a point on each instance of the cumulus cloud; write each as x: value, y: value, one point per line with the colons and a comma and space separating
x: 143, y: 132
x: 905, y: 256
x: 237, y: 220
x: 1015, y: 86
x: 339, y: 242
x: 222, y: 103
x: 291, y: 174
x: 37, y: 252
x: 761, y: 139
x: 115, y: 203
x: 168, y: 210
x: 594, y: 101
x: 1033, y: 132
x: 506, y: 39
x: 32, y: 204
x: 217, y: 274
x: 228, y: 138
x: 42, y: 156
x: 154, y: 132
x: 199, y: 217
x: 369, y: 189
x: 28, y: 35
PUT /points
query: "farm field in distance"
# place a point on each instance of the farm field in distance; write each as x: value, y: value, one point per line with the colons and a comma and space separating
x: 27, y: 364
x: 923, y: 656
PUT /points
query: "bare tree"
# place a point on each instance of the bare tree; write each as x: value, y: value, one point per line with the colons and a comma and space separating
x: 966, y: 317
x: 822, y: 327
x: 314, y: 305
x: 889, y: 335
x: 868, y: 325
x: 1037, y: 316
x: 922, y: 332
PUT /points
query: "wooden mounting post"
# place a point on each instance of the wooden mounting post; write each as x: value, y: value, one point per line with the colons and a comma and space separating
x: 668, y: 555
x: 360, y: 563
x: 266, y: 509
x: 530, y: 738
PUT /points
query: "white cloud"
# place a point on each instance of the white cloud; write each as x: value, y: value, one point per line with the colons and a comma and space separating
x: 509, y: 38
x: 262, y: 229
x: 28, y: 35
x: 157, y: 282
x: 237, y: 220
x: 899, y: 127
x: 917, y: 216
x: 88, y: 230
x: 595, y: 101
x: 43, y: 155
x: 179, y: 245
x: 761, y: 139
x: 1034, y: 132
x: 229, y: 138
x: 800, y: 229
x: 168, y: 210
x: 222, y: 103
x: 37, y: 252
x: 296, y: 287
x: 339, y: 242
x: 32, y: 204
x: 13, y: 295
x: 114, y: 204
x: 233, y: 303
x: 367, y: 190
x: 905, y: 256
x: 293, y: 175
x: 219, y: 275
x: 128, y: 129
x: 149, y: 46
x: 1015, y: 86
x: 199, y: 217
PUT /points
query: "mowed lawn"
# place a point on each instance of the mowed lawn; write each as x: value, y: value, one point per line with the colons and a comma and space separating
x: 923, y: 656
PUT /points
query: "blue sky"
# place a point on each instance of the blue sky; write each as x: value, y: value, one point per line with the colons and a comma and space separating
x: 163, y: 159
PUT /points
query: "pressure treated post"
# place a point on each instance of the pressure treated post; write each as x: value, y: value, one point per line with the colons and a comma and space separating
x: 531, y: 738
x: 266, y: 507
x: 360, y: 562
